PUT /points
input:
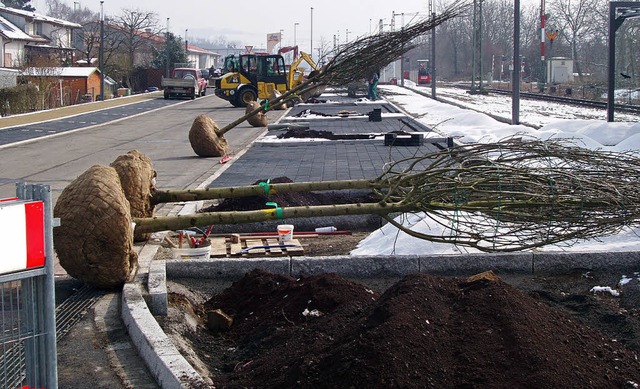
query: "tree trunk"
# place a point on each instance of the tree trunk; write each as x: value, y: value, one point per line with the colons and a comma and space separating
x: 172, y: 196
x: 164, y: 223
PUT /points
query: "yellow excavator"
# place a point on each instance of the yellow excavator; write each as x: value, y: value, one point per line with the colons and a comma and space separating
x: 256, y: 76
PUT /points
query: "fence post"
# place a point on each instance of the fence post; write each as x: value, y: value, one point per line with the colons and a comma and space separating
x: 43, y: 365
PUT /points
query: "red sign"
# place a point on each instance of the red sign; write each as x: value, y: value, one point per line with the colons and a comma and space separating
x: 21, y: 235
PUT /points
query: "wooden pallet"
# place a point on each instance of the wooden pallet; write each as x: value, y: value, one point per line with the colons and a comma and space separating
x: 251, y: 247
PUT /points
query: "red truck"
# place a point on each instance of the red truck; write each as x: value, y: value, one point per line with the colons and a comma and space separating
x: 188, y: 82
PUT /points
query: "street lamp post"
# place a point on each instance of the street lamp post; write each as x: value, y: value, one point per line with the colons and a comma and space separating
x: 295, y: 25
x: 311, y: 51
x: 102, y: 50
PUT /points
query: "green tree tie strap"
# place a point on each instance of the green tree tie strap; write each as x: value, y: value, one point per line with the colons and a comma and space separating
x: 266, y: 186
x: 278, y: 210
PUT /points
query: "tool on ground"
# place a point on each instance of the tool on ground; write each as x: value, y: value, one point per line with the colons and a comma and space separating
x: 275, y: 246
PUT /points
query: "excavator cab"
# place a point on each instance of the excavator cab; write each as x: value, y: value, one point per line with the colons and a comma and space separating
x: 257, y: 76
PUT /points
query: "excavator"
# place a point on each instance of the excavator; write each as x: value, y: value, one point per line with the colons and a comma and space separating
x: 256, y: 76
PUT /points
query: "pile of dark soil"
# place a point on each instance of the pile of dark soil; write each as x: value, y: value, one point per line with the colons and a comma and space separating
x: 423, y: 331
x: 309, y: 134
x: 292, y: 199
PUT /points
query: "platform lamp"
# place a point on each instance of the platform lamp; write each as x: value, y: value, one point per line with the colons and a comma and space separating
x: 102, y: 50
x: 311, y: 51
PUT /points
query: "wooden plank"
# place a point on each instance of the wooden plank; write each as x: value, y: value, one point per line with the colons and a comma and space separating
x: 235, y: 249
x: 255, y: 252
x: 295, y: 251
x: 218, y: 247
x: 275, y: 250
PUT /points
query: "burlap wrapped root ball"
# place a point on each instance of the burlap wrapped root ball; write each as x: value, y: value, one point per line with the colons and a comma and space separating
x: 259, y: 119
x: 94, y: 241
x: 205, y: 138
x: 275, y: 94
x: 138, y: 180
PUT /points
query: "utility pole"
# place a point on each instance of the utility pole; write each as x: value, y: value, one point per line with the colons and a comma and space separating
x: 166, y: 49
x: 432, y: 11
x: 515, y: 75
x: 295, y: 26
x: 186, y: 44
x: 101, y: 50
x: 311, y: 51
x: 543, y: 18
x: 477, y: 48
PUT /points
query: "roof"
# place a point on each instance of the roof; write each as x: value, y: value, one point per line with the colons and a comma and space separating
x: 38, y: 17
x: 10, y: 31
x: 60, y: 71
x: 200, y: 50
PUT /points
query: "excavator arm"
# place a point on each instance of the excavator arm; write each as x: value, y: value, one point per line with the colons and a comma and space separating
x: 295, y: 75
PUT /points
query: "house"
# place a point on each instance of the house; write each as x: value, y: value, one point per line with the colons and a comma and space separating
x: 202, y: 58
x: 30, y: 38
x: 73, y: 84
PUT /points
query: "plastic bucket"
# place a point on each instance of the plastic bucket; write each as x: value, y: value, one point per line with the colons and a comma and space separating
x: 203, y: 252
x: 285, y: 232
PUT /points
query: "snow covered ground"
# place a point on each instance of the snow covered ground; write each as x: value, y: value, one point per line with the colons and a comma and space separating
x: 585, y: 127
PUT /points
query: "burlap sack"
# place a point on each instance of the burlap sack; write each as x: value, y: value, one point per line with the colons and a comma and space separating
x: 94, y: 241
x: 259, y: 119
x: 274, y: 95
x: 137, y: 178
x: 204, y: 138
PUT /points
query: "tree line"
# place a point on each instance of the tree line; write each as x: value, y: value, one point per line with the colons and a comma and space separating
x: 579, y: 28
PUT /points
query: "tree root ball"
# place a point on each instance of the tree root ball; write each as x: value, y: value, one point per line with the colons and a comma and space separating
x: 205, y: 139
x: 274, y: 95
x: 94, y: 241
x: 138, y: 180
x: 259, y: 119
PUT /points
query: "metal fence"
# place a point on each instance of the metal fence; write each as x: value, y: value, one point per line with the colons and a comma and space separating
x: 28, y: 355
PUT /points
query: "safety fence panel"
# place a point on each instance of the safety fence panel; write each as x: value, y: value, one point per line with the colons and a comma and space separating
x: 27, y: 290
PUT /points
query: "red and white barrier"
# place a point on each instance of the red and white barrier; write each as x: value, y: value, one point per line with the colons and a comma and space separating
x: 21, y: 235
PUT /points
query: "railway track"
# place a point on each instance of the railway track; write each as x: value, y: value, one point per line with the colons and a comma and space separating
x: 628, y: 108
x: 597, y: 104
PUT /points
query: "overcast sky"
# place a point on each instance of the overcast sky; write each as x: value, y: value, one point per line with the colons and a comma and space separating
x: 251, y: 22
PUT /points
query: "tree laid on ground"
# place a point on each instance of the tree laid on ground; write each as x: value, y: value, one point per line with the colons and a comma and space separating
x: 171, y: 53
x: 19, y: 4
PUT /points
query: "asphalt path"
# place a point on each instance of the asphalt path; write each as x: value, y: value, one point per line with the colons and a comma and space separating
x: 58, y: 149
x: 32, y: 131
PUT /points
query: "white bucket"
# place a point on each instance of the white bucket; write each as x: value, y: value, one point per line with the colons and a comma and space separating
x: 285, y: 232
x: 203, y: 252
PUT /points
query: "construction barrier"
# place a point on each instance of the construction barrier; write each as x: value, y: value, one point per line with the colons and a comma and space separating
x: 28, y: 355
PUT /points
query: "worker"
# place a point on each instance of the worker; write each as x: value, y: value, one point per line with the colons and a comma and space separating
x: 373, y: 85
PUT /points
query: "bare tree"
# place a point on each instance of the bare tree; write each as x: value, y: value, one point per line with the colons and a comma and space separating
x: 58, y: 9
x: 137, y: 28
x: 577, y: 21
x: 88, y: 45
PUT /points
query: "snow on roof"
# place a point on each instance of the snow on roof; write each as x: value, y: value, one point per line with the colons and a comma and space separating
x: 9, y: 30
x: 38, y: 17
x: 60, y: 71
